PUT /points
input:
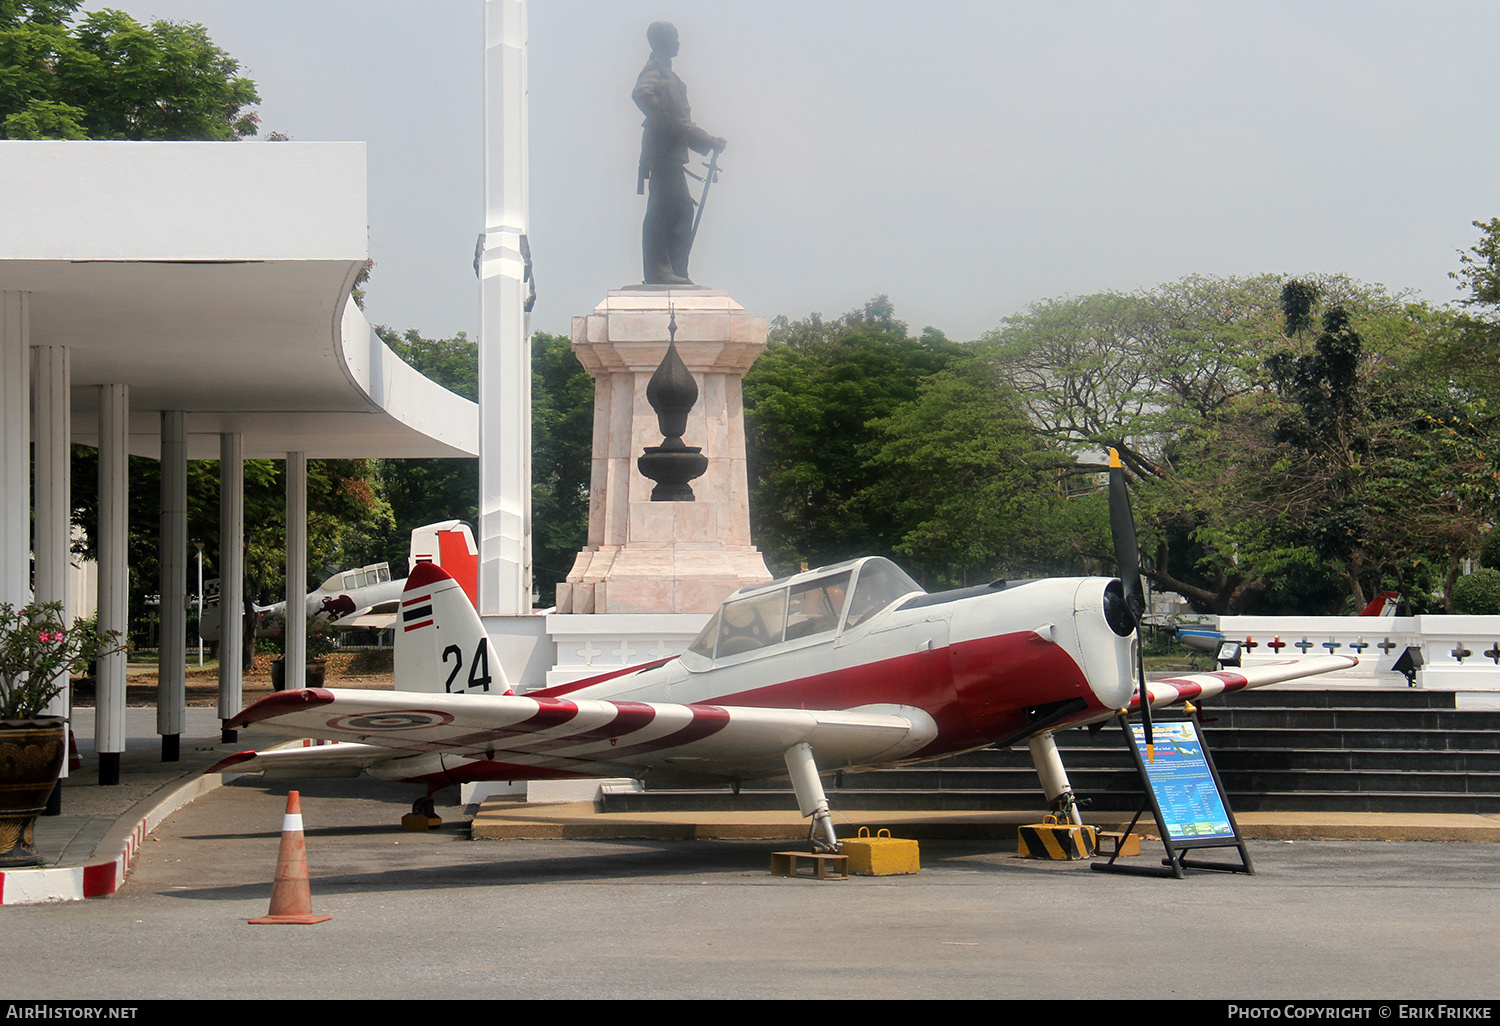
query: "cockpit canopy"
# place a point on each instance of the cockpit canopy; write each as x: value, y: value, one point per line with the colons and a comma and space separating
x: 364, y: 577
x: 818, y: 602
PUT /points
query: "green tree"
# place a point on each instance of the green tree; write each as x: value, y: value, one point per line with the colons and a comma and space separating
x: 562, y: 455
x: 426, y: 491
x: 110, y: 77
x: 1478, y: 594
x: 972, y: 492
x: 809, y: 401
x: 1177, y: 378
x: 1479, y: 270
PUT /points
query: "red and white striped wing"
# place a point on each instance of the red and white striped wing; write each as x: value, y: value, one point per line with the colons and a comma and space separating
x: 1198, y: 686
x: 545, y: 737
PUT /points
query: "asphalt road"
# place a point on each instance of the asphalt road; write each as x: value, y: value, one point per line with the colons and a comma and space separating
x: 439, y: 916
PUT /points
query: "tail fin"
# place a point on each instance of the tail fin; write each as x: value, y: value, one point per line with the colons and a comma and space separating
x: 1383, y: 604
x: 440, y: 642
x: 449, y: 544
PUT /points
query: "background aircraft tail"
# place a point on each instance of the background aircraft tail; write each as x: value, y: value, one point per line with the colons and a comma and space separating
x: 1383, y: 604
x: 450, y: 545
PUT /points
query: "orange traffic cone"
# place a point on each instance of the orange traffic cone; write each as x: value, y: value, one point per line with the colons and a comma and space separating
x: 291, y: 896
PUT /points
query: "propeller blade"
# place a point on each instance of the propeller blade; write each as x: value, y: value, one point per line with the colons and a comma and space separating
x: 1122, y: 530
x: 1140, y: 663
x: 1127, y: 555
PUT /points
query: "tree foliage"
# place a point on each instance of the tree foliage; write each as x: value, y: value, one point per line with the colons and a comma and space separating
x: 865, y: 440
x: 1479, y: 271
x: 562, y: 455
x: 1478, y: 594
x: 809, y: 399
x: 1295, y: 444
x: 110, y: 77
x: 971, y: 493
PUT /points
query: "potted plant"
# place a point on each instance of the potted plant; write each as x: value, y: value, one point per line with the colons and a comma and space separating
x: 36, y: 649
x: 321, y: 640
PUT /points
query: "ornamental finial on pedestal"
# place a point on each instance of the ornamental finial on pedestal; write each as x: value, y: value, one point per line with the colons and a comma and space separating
x: 672, y: 393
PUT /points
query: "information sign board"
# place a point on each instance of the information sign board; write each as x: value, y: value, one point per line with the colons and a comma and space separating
x: 1192, y: 808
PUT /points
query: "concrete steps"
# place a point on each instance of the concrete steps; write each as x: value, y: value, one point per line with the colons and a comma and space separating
x: 1338, y: 750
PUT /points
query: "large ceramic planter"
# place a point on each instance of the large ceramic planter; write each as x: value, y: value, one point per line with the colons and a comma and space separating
x: 31, y: 757
x: 316, y: 668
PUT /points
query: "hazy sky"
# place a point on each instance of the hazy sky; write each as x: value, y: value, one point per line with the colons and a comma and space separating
x: 965, y: 157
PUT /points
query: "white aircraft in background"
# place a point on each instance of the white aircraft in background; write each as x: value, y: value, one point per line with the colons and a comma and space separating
x: 368, y: 597
x: 847, y: 667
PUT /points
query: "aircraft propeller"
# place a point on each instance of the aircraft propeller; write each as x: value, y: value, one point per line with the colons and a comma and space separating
x: 1127, y: 555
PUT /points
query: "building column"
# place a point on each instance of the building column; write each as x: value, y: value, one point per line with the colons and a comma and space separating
x: 114, y: 575
x: 296, y: 571
x: 505, y: 337
x: 15, y: 449
x: 231, y: 565
x: 171, y: 689
x: 52, y: 495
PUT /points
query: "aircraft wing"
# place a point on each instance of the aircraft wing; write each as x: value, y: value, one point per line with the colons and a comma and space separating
x: 1197, y: 686
x: 532, y: 738
x: 379, y: 616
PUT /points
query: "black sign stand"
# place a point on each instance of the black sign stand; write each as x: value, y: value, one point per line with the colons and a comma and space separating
x: 1184, y: 793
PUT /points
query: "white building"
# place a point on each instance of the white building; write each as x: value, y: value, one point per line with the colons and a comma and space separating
x: 187, y: 301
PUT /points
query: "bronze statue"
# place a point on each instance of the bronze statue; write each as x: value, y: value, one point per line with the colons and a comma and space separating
x: 669, y: 132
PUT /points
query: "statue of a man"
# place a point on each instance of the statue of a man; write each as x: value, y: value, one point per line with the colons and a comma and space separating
x: 667, y: 235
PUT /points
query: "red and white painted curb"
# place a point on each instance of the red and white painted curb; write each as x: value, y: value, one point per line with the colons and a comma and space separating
x: 74, y: 883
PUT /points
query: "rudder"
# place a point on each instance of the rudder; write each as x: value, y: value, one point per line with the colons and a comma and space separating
x: 441, y: 643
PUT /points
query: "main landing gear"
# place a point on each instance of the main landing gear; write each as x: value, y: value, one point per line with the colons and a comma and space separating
x: 810, y: 798
x: 1054, y: 778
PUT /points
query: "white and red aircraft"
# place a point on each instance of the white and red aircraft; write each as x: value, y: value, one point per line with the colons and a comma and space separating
x: 846, y: 667
x: 367, y: 597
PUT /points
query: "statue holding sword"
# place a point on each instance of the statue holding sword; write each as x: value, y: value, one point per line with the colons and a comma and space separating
x: 670, y: 225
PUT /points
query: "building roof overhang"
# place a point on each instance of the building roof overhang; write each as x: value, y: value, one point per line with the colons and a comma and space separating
x: 214, y: 278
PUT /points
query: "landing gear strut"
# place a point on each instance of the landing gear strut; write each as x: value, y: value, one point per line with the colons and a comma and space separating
x: 810, y: 798
x: 1054, y: 777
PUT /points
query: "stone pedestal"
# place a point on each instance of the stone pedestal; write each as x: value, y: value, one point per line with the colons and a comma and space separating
x: 665, y: 557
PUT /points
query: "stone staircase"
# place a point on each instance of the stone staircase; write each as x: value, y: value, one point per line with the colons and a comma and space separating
x: 1386, y: 750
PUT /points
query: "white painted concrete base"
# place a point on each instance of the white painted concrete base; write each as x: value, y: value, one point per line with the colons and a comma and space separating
x: 546, y: 792
x: 594, y: 643
x: 1460, y: 653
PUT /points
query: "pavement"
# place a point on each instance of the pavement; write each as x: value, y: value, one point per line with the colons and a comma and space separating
x: 88, y: 848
